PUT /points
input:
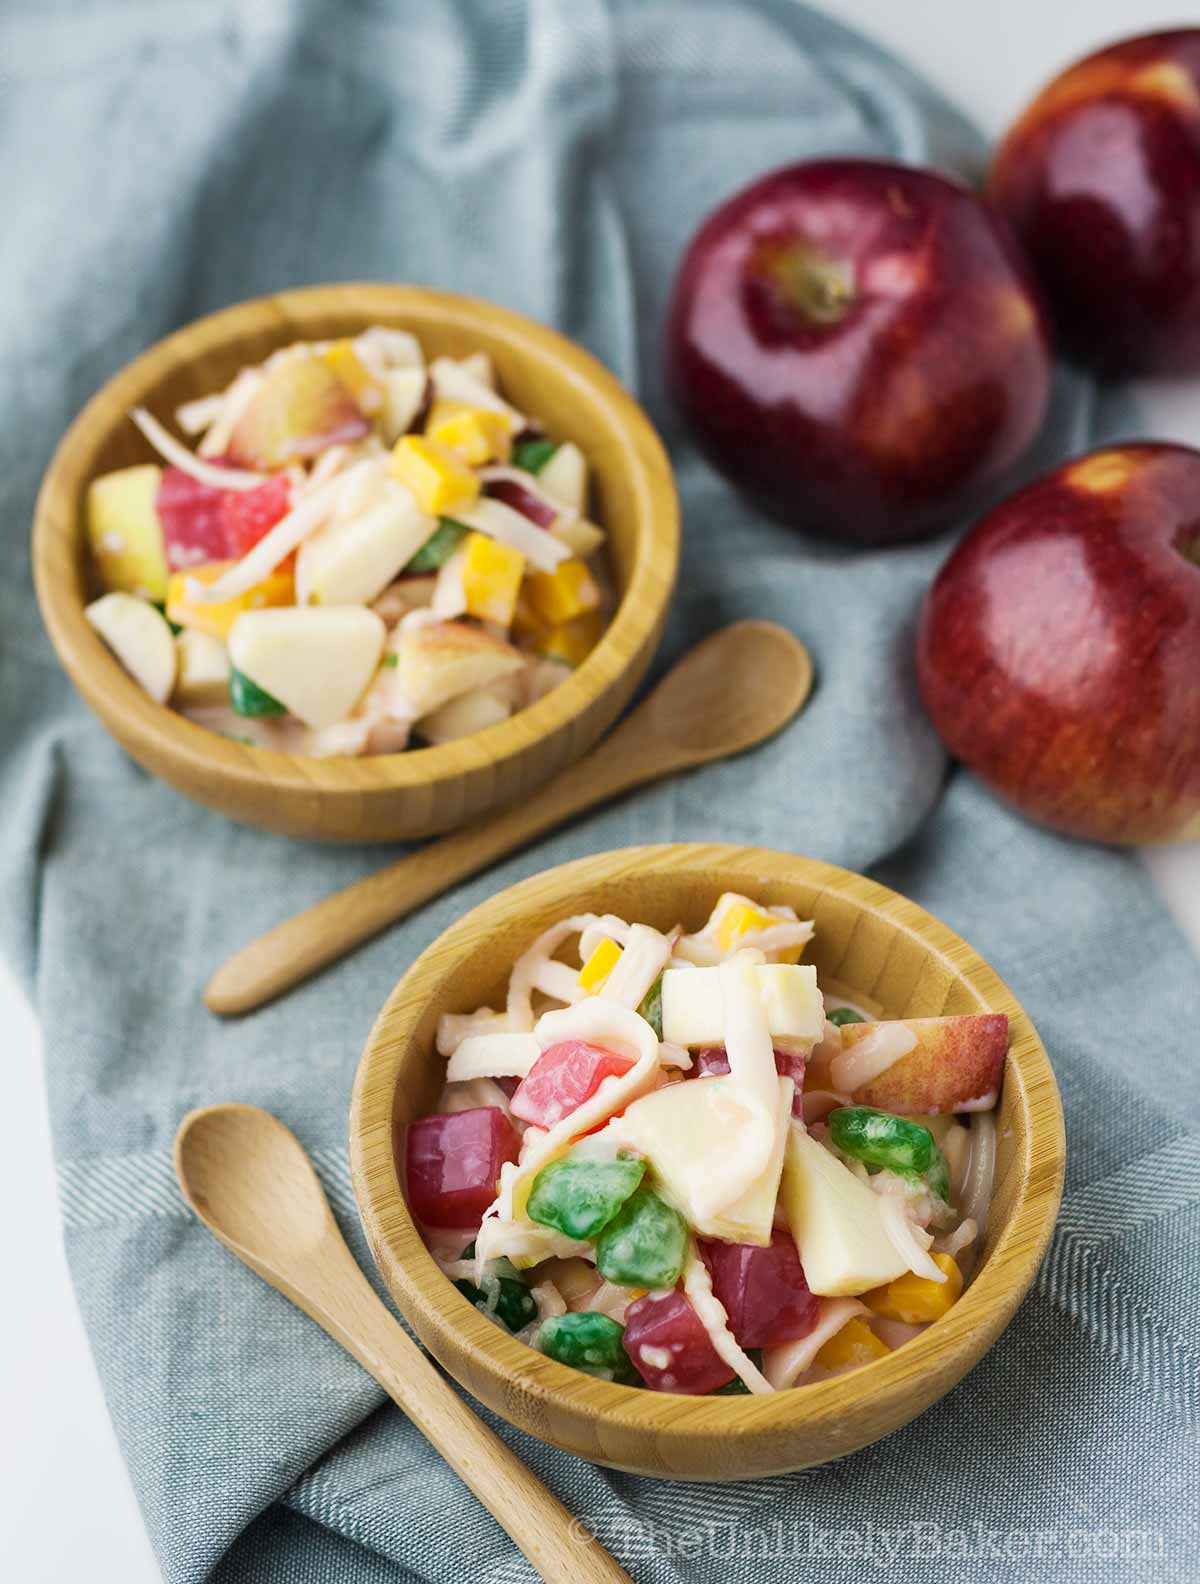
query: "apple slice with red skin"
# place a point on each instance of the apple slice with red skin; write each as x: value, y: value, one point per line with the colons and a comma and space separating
x: 299, y: 410
x: 1058, y: 650
x: 859, y: 347
x: 1100, y: 179
x: 956, y: 1065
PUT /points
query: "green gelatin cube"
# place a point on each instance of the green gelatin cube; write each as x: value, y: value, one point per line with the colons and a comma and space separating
x: 645, y: 1244
x: 580, y: 1197
x: 532, y: 455
x: 438, y: 549
x: 587, y: 1341
x: 514, y: 1304
x: 249, y: 699
x: 843, y: 1015
x: 884, y: 1141
x: 651, y: 1007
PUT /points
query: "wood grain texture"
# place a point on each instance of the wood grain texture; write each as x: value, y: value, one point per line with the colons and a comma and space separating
x: 395, y: 796
x: 248, y: 1179
x: 731, y: 691
x: 869, y: 941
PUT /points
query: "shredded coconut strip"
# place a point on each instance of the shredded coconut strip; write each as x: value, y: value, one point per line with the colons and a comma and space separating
x: 178, y: 455
x: 606, y: 927
x: 277, y: 544
x: 697, y: 1285
x: 523, y: 979
x: 512, y: 528
x: 492, y: 1056
x: 911, y: 1244
x: 532, y: 485
x: 645, y: 955
x: 454, y: 1027
x: 783, y: 1365
x: 882, y: 1047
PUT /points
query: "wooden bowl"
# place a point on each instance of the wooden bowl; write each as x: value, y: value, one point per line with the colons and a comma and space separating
x: 393, y: 796
x: 869, y: 940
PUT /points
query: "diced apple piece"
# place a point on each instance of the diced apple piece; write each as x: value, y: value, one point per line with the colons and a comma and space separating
x: 352, y: 561
x: 835, y: 1220
x: 202, y: 672
x: 956, y: 1065
x: 689, y: 1133
x: 316, y: 662
x: 404, y: 595
x: 439, y: 660
x: 479, y: 366
x: 694, y: 1003
x: 300, y: 408
x: 125, y: 534
x: 406, y: 393
x: 565, y: 477
x: 464, y: 716
x: 581, y: 537
x: 139, y: 637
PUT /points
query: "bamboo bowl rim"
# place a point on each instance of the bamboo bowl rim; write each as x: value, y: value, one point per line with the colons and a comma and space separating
x: 430, y: 1302
x: 196, y: 751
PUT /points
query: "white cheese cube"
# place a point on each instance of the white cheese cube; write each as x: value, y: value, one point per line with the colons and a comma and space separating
x: 693, y: 1003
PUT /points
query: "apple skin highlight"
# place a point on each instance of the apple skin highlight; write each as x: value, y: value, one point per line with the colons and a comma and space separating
x: 1058, y: 650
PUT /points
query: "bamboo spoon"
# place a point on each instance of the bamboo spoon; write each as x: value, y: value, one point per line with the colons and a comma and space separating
x: 727, y: 694
x: 248, y: 1179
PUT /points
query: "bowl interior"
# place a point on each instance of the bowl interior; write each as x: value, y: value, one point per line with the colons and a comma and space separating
x: 869, y: 943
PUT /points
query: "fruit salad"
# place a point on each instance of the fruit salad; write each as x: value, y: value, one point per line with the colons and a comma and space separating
x: 675, y: 1161
x: 358, y: 551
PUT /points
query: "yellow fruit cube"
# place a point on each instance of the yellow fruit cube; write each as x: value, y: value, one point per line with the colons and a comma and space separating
x: 473, y: 433
x: 440, y: 480
x: 853, y: 1345
x: 573, y: 641
x: 559, y: 596
x: 491, y: 578
x: 593, y: 976
x: 355, y: 376
x: 739, y: 918
x: 916, y: 1299
x: 124, y: 532
x: 277, y: 588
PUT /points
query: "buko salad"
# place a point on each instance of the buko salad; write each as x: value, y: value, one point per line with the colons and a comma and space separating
x: 678, y: 1165
x: 362, y: 550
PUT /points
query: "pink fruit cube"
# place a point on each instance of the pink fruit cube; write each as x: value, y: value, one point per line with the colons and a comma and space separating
x: 714, y: 1063
x: 192, y: 520
x: 523, y: 500
x: 452, y: 1164
x: 562, y: 1078
x: 669, y: 1347
x: 762, y: 1290
x: 249, y: 514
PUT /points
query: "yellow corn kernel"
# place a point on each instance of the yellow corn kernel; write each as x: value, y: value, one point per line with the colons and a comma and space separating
x: 355, y: 376
x: 473, y: 433
x: 739, y: 918
x: 915, y: 1299
x: 594, y: 974
x: 853, y: 1345
x: 277, y: 588
x: 440, y: 480
x: 491, y: 578
x: 563, y: 594
x: 573, y: 641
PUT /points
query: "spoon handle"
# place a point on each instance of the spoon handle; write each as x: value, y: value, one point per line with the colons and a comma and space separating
x: 325, y: 932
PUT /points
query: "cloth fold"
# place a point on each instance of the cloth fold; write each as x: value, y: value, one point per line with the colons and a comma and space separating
x: 552, y: 155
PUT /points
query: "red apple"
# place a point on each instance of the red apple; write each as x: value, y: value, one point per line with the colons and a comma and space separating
x: 858, y: 346
x: 956, y: 1065
x: 1059, y: 647
x: 1100, y: 178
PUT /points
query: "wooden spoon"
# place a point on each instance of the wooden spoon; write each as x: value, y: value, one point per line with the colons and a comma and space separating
x: 248, y: 1179
x: 731, y: 691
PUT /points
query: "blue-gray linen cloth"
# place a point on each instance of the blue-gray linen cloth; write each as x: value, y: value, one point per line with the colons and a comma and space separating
x: 161, y: 160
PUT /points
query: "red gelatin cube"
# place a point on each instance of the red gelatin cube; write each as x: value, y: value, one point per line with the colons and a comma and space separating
x: 714, y: 1063
x: 669, y: 1347
x: 452, y: 1164
x: 249, y: 514
x: 192, y: 520
x: 762, y: 1290
x: 523, y: 500
x: 562, y: 1078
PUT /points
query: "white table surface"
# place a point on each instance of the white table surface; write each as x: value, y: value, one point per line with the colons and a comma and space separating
x: 67, y: 1510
